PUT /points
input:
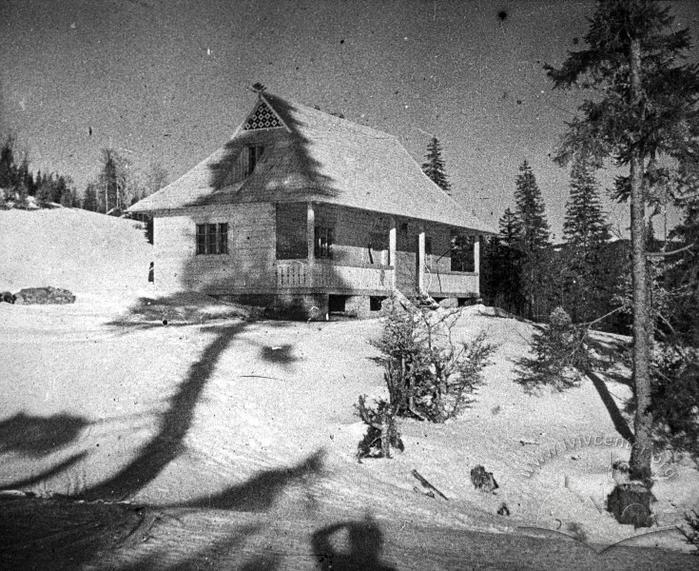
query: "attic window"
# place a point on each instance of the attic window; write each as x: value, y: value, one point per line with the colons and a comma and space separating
x: 262, y: 118
x: 253, y: 153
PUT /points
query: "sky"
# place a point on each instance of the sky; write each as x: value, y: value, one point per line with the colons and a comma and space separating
x: 168, y: 81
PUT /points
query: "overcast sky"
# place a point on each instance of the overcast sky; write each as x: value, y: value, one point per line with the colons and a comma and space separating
x: 168, y: 81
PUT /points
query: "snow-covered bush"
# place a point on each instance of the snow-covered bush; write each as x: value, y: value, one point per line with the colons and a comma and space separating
x: 428, y: 375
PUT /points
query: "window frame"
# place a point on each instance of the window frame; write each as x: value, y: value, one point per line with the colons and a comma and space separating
x: 211, y: 238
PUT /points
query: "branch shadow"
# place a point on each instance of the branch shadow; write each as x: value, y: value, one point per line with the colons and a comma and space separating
x: 175, y: 422
x: 259, y: 493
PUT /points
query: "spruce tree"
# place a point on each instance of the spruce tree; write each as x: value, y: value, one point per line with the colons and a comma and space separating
x: 433, y: 167
x: 90, y: 201
x: 511, y: 260
x: 585, y: 231
x: 510, y: 227
x: 584, y: 226
x: 533, y: 242
x: 644, y: 107
x: 531, y: 211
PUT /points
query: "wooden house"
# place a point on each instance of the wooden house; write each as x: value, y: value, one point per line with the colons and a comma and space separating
x: 302, y: 209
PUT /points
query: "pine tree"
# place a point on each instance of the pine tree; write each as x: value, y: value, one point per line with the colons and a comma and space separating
x: 433, y: 167
x: 645, y: 106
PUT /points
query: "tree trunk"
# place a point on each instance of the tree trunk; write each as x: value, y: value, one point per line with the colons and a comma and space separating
x: 640, y: 463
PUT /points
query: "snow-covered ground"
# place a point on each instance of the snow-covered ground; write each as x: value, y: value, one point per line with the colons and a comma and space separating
x: 102, y: 400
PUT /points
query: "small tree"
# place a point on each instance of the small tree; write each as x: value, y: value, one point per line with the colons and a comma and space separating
x: 559, y: 358
x: 428, y: 375
x: 433, y: 166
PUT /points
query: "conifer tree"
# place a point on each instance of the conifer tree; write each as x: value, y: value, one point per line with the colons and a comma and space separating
x: 510, y: 227
x: 644, y: 107
x: 584, y: 226
x: 585, y: 231
x: 533, y: 242
x: 531, y: 211
x: 90, y: 198
x: 511, y: 260
x: 433, y: 167
x: 8, y: 165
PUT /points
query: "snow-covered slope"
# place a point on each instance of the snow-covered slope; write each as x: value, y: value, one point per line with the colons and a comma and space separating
x: 74, y: 249
x: 103, y: 401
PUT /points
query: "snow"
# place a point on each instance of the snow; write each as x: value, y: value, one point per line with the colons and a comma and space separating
x: 75, y: 249
x: 181, y: 414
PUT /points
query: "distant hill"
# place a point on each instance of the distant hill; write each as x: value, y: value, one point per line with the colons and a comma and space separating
x: 75, y: 249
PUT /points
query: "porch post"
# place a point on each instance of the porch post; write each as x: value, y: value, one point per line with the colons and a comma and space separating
x: 310, y: 241
x: 392, y: 241
x: 477, y: 262
x: 421, y: 260
x: 310, y: 232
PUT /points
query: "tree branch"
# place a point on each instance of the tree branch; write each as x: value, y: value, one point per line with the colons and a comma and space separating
x: 670, y: 253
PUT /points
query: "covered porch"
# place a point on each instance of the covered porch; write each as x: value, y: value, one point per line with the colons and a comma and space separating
x: 322, y: 247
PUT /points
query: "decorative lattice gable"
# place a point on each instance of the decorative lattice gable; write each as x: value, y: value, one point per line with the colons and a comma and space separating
x: 262, y: 118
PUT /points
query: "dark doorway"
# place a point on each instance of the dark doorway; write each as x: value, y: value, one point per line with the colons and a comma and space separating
x: 336, y: 303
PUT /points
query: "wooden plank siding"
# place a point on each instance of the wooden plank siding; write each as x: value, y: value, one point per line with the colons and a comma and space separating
x: 251, y: 247
x: 359, y: 262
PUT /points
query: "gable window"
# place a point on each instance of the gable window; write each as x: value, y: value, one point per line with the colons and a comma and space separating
x: 323, y: 242
x: 212, y: 238
x: 254, y: 154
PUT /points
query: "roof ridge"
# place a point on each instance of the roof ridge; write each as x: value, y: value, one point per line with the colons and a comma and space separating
x: 345, y: 123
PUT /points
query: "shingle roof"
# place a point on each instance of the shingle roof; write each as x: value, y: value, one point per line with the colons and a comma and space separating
x: 317, y: 157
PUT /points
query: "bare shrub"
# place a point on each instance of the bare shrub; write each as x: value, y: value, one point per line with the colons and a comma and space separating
x: 382, y: 434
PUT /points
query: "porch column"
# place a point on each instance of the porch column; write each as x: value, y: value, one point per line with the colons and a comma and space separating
x: 392, y: 242
x: 421, y: 260
x: 310, y: 232
x: 477, y: 262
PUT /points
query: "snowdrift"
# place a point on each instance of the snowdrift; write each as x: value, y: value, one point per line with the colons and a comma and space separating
x: 74, y: 249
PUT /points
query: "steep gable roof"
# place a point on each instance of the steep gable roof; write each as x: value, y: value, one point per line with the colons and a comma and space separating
x: 314, y: 156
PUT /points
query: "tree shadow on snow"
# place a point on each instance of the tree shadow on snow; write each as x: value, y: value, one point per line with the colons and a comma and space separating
x: 175, y: 422
x: 31, y: 435
x: 259, y: 493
